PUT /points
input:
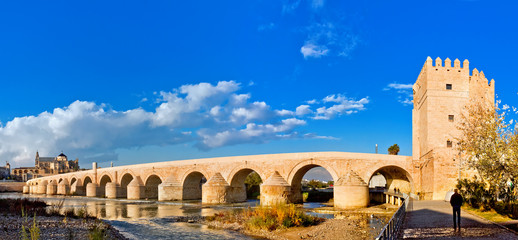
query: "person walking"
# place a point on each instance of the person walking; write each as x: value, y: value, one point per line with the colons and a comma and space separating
x: 456, y: 201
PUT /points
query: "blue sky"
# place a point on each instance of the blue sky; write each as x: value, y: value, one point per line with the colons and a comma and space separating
x: 132, y: 81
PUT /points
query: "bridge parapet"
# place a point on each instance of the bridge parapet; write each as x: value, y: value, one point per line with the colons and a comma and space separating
x: 183, y: 180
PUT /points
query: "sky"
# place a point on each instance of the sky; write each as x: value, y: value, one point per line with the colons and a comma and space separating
x: 144, y: 81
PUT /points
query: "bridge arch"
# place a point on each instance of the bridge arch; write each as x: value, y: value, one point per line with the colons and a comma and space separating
x: 192, y: 180
x: 87, y: 179
x: 297, y: 173
x: 396, y: 177
x: 151, y: 186
x: 74, y: 179
x: 126, y: 173
x: 105, y: 178
x: 233, y: 173
x: 237, y: 178
x: 125, y: 179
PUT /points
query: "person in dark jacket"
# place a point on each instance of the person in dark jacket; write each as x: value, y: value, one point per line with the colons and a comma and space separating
x: 456, y: 202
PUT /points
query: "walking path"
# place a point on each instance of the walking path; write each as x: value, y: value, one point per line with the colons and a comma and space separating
x: 434, y: 220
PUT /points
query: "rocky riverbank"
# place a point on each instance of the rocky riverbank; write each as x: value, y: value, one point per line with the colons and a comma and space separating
x: 22, y: 218
x: 56, y: 227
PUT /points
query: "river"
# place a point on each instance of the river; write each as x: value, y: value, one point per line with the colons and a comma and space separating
x: 148, y: 219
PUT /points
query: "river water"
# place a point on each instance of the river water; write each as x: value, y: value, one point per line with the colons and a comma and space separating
x: 148, y: 219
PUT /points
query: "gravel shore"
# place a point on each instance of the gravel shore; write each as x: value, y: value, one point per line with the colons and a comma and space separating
x: 54, y: 227
x: 353, y: 229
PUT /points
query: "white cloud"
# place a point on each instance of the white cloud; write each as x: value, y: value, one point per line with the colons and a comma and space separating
x: 266, y: 27
x: 284, y: 112
x: 312, y: 101
x: 312, y: 50
x: 324, y: 38
x: 290, y: 6
x: 204, y: 115
x: 252, y: 133
x: 398, y: 86
x: 252, y: 112
x: 342, y: 106
x: 403, y: 92
x: 317, y: 4
x: 303, y: 110
x: 406, y: 101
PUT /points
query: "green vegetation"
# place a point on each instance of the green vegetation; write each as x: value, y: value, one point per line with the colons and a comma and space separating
x: 316, y: 184
x: 28, y: 207
x: 490, y: 215
x: 34, y: 230
x: 268, y: 218
x: 97, y: 232
x: 283, y: 216
x: 489, y: 145
x: 305, y: 196
x: 393, y: 150
x: 252, y: 182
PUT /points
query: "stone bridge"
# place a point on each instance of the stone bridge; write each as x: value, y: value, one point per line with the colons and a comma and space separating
x: 281, y: 174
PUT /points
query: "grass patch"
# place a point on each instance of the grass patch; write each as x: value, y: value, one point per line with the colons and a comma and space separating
x: 97, y: 232
x: 490, y: 215
x: 268, y: 218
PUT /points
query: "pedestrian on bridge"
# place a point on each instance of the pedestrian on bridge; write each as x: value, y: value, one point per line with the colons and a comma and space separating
x: 456, y: 201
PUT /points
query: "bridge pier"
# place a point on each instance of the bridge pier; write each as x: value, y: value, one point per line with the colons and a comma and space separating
x: 350, y: 191
x: 238, y: 194
x: 25, y: 189
x: 216, y: 190
x: 111, y: 190
x: 91, y: 189
x: 275, y: 190
x: 52, y: 188
x: 41, y: 188
x: 136, y: 189
x: 63, y: 188
x: 170, y: 190
x: 77, y: 189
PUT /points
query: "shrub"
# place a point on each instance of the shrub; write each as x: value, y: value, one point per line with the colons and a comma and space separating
x: 97, y: 232
x: 282, y: 215
x: 477, y: 193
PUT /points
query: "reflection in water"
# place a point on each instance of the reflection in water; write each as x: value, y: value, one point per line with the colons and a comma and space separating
x: 147, y: 219
x: 142, y: 219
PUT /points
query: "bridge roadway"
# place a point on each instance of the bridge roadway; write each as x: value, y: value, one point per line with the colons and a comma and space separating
x: 434, y: 220
x: 281, y: 174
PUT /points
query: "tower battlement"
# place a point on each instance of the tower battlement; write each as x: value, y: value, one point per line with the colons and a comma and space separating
x: 441, y: 93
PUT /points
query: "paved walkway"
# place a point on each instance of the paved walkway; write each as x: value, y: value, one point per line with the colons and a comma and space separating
x: 434, y: 220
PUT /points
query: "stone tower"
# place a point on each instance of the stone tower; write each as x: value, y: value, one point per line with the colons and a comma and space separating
x: 441, y: 93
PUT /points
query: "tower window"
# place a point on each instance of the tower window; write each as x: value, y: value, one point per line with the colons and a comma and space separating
x: 448, y: 86
x: 449, y: 144
x: 451, y: 118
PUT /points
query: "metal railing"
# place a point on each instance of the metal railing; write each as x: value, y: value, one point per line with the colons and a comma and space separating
x: 391, y: 230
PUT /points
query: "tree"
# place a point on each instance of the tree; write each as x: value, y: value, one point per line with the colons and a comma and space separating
x: 393, y: 150
x: 489, y: 145
x: 253, y: 179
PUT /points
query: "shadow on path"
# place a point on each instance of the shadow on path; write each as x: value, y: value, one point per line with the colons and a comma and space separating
x: 434, y: 220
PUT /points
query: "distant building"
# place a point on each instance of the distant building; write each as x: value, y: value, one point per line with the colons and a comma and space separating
x: 5, y: 172
x: 46, y: 166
